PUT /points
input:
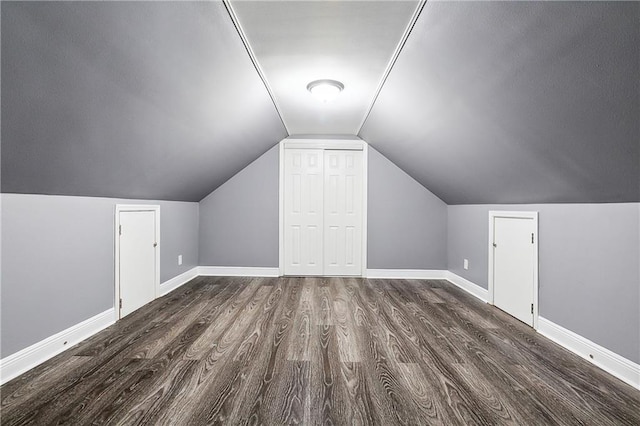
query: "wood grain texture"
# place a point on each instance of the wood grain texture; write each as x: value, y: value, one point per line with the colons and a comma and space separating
x: 311, y: 351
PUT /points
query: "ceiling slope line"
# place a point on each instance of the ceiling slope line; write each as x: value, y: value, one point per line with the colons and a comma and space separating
x: 254, y: 60
x: 392, y: 61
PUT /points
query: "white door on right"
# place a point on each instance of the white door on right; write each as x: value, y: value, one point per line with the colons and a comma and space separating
x: 342, y: 212
x: 513, y: 266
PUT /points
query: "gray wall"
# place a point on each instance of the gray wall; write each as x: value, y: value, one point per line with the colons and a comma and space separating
x: 239, y: 220
x: 589, y: 270
x: 179, y: 235
x: 407, y: 224
x: 406, y: 229
x: 58, y: 260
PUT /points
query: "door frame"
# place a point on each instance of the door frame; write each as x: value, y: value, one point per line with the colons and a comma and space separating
x: 116, y: 234
x: 493, y: 214
x: 351, y: 144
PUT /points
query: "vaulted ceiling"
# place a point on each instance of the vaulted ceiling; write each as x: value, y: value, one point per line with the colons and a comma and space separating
x: 152, y: 100
x: 483, y: 102
x: 517, y: 102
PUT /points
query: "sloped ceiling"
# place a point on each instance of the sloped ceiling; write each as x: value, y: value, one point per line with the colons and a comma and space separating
x: 516, y: 102
x: 488, y: 102
x: 153, y: 100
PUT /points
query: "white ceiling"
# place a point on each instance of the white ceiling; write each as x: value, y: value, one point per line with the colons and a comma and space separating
x: 298, y: 42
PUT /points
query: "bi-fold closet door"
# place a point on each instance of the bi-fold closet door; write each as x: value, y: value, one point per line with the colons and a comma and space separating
x: 322, y: 212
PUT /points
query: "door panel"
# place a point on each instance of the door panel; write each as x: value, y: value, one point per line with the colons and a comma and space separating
x: 313, y: 246
x: 303, y: 211
x: 350, y: 258
x: 296, y: 243
x: 137, y: 259
x: 343, y: 213
x: 513, y: 285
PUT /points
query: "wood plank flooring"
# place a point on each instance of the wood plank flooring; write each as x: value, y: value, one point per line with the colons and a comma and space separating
x: 318, y: 351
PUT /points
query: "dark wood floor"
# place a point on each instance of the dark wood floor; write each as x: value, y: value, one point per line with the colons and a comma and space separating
x: 318, y: 351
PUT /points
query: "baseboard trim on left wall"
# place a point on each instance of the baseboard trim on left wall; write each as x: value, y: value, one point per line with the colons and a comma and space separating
x: 175, y: 282
x: 34, y: 355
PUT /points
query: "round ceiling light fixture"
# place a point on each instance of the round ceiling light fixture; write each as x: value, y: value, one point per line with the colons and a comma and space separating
x: 325, y: 90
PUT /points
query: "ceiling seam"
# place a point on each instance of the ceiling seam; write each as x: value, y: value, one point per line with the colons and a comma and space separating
x: 254, y: 60
x: 392, y: 61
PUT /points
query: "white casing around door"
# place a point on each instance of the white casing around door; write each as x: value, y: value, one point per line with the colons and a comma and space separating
x: 303, y: 211
x: 342, y: 212
x: 137, y: 259
x: 322, y: 212
x: 513, y: 266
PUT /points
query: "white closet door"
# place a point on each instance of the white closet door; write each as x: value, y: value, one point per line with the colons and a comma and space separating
x: 513, y: 279
x: 342, y: 212
x: 303, y: 211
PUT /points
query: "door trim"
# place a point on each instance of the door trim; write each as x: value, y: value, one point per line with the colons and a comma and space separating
x: 134, y: 208
x: 333, y: 144
x: 365, y: 192
x: 516, y: 215
x: 352, y: 144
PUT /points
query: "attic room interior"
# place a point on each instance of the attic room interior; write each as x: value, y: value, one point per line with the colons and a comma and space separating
x: 320, y: 212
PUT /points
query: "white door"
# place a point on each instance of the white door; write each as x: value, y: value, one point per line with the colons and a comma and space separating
x: 137, y: 259
x: 514, y: 266
x: 342, y: 212
x: 303, y: 211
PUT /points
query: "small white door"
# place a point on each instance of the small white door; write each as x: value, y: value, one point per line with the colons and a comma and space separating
x: 303, y: 211
x: 342, y: 212
x: 137, y: 259
x: 514, y: 266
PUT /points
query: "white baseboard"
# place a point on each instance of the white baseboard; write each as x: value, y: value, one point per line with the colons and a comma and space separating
x: 614, y: 364
x: 468, y: 286
x: 611, y: 362
x: 175, y: 282
x: 28, y: 358
x: 431, y: 274
x: 408, y: 274
x: 237, y: 271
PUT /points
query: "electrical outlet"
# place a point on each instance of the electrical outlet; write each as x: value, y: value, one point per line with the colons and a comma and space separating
x: 466, y: 264
x: 179, y: 259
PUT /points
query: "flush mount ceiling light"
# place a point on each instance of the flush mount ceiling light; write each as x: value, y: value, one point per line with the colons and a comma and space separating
x: 325, y: 90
